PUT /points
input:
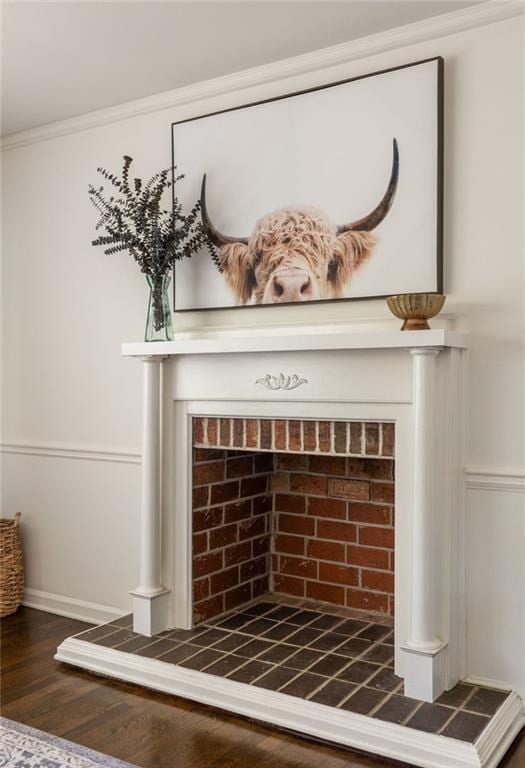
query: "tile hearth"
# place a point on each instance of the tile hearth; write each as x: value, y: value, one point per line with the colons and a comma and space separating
x: 318, y: 654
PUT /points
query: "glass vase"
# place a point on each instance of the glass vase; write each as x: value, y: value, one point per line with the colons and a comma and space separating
x: 158, y: 323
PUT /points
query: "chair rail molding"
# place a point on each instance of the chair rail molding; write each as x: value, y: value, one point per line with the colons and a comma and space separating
x: 495, y: 479
x: 305, y: 64
x: 86, y: 452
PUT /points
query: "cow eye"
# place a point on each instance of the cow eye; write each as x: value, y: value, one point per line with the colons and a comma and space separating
x: 257, y: 258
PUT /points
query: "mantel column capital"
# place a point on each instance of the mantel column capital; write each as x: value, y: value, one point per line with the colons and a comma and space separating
x: 428, y: 351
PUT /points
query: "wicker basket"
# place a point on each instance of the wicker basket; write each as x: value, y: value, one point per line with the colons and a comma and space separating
x: 11, y: 566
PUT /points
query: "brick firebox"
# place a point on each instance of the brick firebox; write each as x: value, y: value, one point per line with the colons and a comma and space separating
x: 302, y: 508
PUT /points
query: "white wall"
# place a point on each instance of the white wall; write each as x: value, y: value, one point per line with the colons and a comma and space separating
x: 67, y: 308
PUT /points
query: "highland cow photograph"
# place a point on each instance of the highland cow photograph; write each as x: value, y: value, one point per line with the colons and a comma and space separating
x: 333, y: 193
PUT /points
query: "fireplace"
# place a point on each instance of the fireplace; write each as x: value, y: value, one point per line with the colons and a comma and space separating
x: 279, y: 449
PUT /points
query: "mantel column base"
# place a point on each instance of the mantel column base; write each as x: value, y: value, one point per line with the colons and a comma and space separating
x: 150, y: 612
x: 425, y: 672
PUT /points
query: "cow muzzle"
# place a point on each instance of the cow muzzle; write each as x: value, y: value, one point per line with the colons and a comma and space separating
x: 290, y: 285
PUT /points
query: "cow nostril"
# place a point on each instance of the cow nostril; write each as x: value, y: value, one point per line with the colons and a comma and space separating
x: 305, y: 288
x: 277, y: 287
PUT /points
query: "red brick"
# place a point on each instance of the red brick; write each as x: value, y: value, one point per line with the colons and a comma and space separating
x: 280, y: 482
x: 292, y: 461
x: 340, y: 436
x: 237, y: 553
x: 207, y: 454
x: 374, y: 558
x: 201, y: 589
x: 254, y: 526
x: 380, y: 581
x: 260, y: 586
x: 296, y: 566
x: 205, y: 564
x: 225, y: 579
x: 327, y: 465
x: 224, y: 492
x: 324, y: 436
x: 250, y: 486
x: 349, y: 489
x: 339, y: 574
x: 312, y: 484
x: 356, y: 431
x: 327, y: 550
x: 371, y: 438
x: 263, y: 462
x: 371, y: 469
x: 376, y: 537
x: 261, y: 545
x: 332, y: 529
x: 237, y: 596
x: 200, y: 543
x: 287, y: 502
x: 310, y: 435
x: 262, y: 504
x: 253, y: 568
x: 211, y: 472
x: 200, y: 496
x: 225, y: 432
x: 280, y: 435
x: 297, y: 524
x: 221, y: 537
x: 374, y: 514
x: 240, y: 467
x: 289, y: 585
x: 388, y: 431
x: 252, y: 433
x: 212, y: 432
x: 265, y: 426
x: 320, y: 507
x: 208, y: 608
x: 294, y: 435
x: 203, y: 519
x: 198, y: 430
x: 383, y: 492
x: 239, y: 510
x: 366, y: 601
x: 292, y: 545
x: 328, y: 593
x: 238, y: 433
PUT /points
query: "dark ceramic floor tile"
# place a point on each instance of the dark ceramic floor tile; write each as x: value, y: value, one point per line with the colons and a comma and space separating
x: 363, y: 701
x: 353, y: 647
x: 358, y: 672
x: 304, y: 636
x: 485, y: 701
x: 385, y: 680
x: 456, y: 696
x: 236, y: 621
x: 389, y: 639
x: 202, y: 659
x: 132, y: 646
x: 180, y: 653
x: 304, y: 617
x: 280, y: 631
x: 210, y: 637
x: 465, y: 726
x: 429, y: 718
x: 156, y: 649
x: 278, y: 653
x: 187, y: 635
x: 125, y: 622
x: 327, y: 622
x: 351, y: 627
x: 329, y: 665
x: 374, y: 632
x: 258, y: 626
x: 380, y: 654
x: 253, y: 648
x: 260, y: 608
x: 276, y: 678
x: 118, y: 637
x: 303, y: 685
x: 250, y: 671
x: 303, y: 659
x: 282, y: 613
x: 231, y: 642
x: 328, y: 642
x: 396, y: 709
x: 333, y: 693
x: 97, y: 633
x: 227, y: 664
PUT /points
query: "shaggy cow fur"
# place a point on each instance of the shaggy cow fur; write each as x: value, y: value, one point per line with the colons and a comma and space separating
x: 303, y: 238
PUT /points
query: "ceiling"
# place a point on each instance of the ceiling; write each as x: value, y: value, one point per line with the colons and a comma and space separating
x: 66, y: 58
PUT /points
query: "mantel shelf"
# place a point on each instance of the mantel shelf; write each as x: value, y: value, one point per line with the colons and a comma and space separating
x: 308, y: 339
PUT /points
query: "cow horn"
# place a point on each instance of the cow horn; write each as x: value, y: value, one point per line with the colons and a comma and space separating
x: 370, y: 222
x: 215, y: 236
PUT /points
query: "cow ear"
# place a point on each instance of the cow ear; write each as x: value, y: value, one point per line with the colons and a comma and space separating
x: 235, y: 264
x: 353, y: 248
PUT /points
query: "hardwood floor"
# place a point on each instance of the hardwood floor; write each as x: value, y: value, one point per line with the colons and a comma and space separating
x: 149, y: 729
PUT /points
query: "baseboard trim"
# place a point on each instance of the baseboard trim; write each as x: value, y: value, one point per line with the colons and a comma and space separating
x: 71, y: 451
x: 304, y: 717
x: 71, y: 607
x: 486, y: 682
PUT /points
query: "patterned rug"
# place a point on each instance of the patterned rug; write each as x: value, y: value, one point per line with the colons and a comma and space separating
x: 25, y: 747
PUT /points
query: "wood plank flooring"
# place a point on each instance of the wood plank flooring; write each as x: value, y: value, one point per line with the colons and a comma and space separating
x: 149, y: 729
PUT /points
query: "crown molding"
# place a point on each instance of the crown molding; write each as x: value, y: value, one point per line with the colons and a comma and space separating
x: 438, y: 26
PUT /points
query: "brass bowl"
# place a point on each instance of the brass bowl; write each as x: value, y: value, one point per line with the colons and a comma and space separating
x: 415, y: 309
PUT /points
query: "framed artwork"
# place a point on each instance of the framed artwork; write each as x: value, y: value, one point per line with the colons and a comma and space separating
x: 329, y: 194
